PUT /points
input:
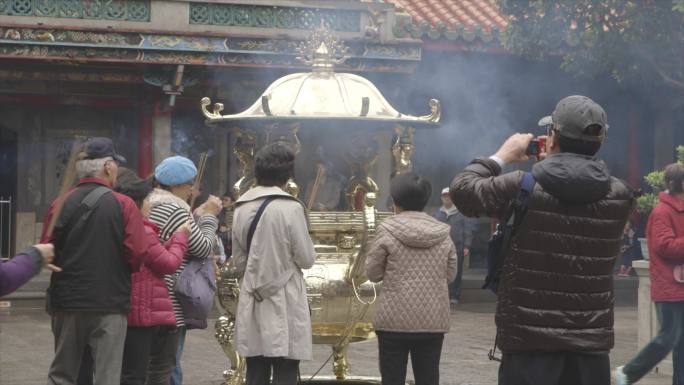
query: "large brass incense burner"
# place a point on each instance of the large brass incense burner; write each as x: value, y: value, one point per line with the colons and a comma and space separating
x: 349, y: 141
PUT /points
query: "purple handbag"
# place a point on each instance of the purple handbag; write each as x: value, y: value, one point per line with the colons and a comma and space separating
x: 195, y: 289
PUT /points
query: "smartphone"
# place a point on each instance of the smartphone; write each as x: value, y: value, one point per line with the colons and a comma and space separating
x: 536, y: 147
x: 533, y: 148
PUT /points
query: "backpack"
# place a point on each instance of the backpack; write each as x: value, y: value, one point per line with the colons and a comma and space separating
x: 500, y: 240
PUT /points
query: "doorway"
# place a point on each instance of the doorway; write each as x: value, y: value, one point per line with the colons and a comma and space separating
x: 8, y: 190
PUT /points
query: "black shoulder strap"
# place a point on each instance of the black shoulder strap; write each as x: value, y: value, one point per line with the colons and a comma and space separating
x: 88, y: 203
x: 73, y: 225
x: 94, y: 196
x: 255, y: 221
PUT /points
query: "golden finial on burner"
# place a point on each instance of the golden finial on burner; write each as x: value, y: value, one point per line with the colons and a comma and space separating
x: 322, y: 50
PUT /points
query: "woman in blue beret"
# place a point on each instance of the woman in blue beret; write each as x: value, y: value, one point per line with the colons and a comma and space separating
x: 169, y: 210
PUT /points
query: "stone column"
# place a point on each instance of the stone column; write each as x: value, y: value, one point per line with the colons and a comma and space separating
x: 663, y: 141
x: 648, y: 322
x: 30, y: 199
x: 161, y: 134
x: 382, y: 170
x: 145, y: 141
x: 222, y: 146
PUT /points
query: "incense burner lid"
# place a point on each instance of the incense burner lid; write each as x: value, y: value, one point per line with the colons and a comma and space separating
x: 323, y: 95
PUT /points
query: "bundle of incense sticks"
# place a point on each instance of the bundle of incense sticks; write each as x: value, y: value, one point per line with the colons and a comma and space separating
x: 198, y: 180
x: 320, y: 172
x: 68, y: 180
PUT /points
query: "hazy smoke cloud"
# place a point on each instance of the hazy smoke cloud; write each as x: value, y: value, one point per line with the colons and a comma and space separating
x: 487, y: 97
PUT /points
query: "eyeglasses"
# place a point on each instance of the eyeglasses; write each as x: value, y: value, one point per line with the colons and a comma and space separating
x: 549, y: 129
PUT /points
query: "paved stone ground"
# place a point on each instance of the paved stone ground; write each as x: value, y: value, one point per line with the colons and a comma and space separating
x: 26, y: 350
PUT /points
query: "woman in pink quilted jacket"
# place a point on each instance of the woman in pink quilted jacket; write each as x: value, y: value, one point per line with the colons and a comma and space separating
x: 415, y: 259
x: 151, y: 312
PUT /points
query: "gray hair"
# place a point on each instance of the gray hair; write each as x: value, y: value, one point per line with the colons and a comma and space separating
x: 89, y: 168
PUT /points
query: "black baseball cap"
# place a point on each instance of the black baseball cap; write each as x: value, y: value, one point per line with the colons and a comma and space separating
x: 578, y: 117
x: 97, y: 148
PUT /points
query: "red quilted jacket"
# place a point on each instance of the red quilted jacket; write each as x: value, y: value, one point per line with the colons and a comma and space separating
x: 150, y: 301
x: 665, y: 233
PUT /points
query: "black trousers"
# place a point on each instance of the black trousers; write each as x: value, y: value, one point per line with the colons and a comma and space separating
x: 670, y: 338
x: 425, y: 350
x: 285, y: 371
x: 564, y: 368
x: 149, y: 355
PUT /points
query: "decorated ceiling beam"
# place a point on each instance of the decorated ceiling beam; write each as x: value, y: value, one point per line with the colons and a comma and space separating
x: 131, y: 47
x: 383, y: 36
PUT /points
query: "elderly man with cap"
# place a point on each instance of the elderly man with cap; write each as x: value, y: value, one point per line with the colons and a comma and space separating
x: 169, y: 210
x: 462, y: 229
x: 554, y: 316
x: 99, y: 240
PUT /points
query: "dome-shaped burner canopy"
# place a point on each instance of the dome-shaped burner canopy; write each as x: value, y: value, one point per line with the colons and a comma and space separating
x: 322, y: 93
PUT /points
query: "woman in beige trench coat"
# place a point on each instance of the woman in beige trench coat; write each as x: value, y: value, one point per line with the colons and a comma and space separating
x: 273, y: 326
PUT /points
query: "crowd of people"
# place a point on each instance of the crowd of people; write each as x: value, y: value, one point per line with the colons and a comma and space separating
x: 121, y: 245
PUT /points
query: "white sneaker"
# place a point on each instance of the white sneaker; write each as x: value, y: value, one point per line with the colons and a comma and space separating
x: 619, y: 376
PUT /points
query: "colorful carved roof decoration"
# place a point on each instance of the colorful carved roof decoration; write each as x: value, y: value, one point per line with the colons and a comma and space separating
x: 223, y: 33
x: 449, y: 19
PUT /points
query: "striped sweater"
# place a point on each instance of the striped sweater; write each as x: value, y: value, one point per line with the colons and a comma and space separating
x: 169, y: 212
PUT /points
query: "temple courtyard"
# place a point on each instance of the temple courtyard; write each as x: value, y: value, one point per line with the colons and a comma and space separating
x: 26, y: 349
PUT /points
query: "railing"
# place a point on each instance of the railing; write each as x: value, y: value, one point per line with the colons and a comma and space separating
x: 5, y: 227
x: 262, y: 16
x: 128, y: 10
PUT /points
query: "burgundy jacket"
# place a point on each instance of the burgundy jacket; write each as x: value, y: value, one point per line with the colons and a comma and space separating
x: 665, y: 234
x: 150, y: 301
x: 18, y: 270
x: 97, y: 258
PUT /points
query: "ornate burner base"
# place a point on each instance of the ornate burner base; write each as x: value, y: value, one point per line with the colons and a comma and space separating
x: 225, y: 329
x: 352, y: 380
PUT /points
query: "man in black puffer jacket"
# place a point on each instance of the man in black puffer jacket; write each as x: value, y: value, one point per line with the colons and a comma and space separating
x: 555, y: 311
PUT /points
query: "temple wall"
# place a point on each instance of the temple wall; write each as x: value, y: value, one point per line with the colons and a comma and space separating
x: 44, y: 137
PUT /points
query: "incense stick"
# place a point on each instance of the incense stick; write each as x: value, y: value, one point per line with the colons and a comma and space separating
x: 67, y: 182
x: 314, y: 189
x: 198, y: 180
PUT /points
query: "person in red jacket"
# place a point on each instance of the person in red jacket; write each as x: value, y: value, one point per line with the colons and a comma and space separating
x: 665, y: 234
x: 151, y: 312
x: 99, y: 240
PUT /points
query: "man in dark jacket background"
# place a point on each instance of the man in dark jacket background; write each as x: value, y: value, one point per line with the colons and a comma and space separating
x: 461, y: 234
x: 97, y: 250
x: 554, y: 314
